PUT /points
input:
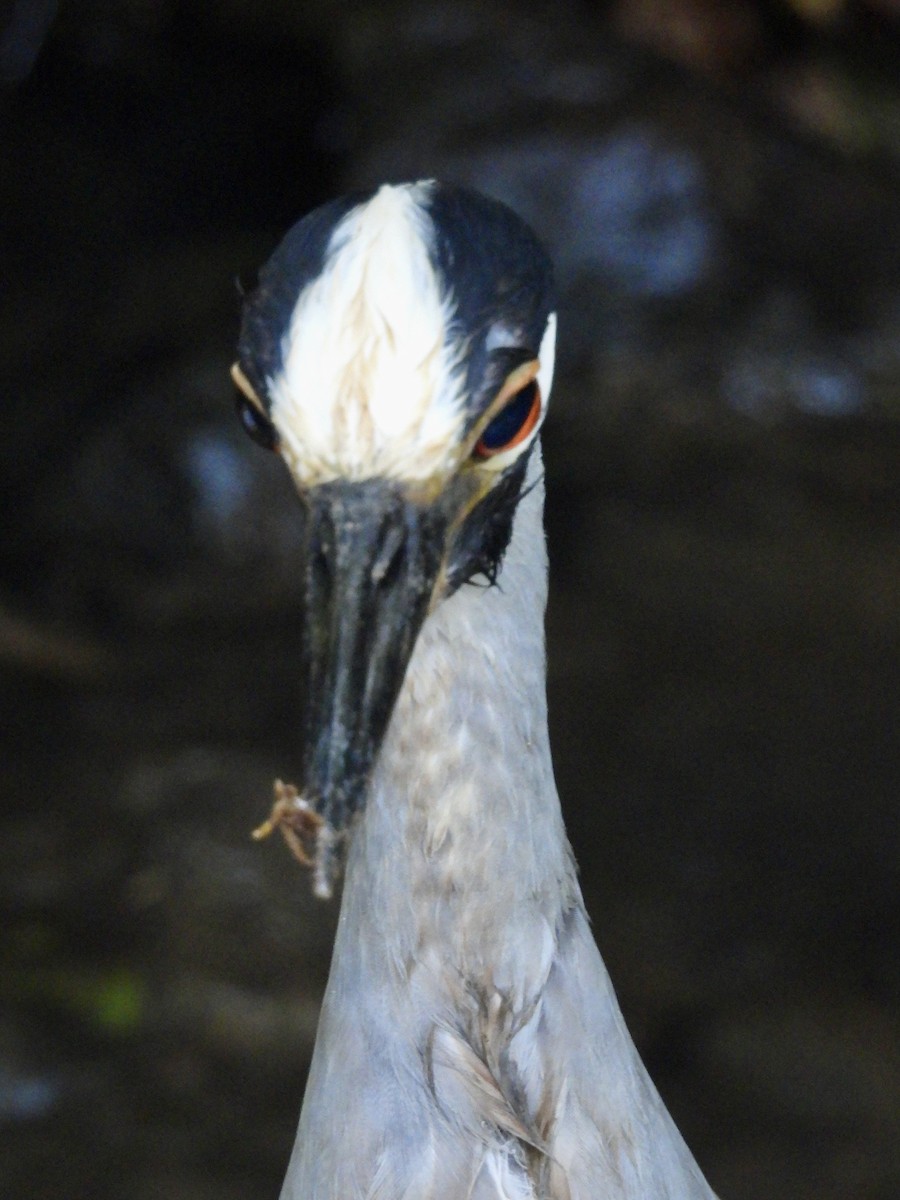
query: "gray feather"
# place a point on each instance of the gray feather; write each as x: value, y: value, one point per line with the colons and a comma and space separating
x: 470, y: 1044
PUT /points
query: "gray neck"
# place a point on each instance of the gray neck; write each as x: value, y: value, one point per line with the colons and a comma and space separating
x: 468, y: 1020
x: 462, y: 841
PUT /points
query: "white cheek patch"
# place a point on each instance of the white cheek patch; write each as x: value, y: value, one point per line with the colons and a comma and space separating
x: 369, y: 386
x: 547, y: 359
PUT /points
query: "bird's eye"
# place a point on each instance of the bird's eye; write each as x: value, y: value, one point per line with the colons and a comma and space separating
x: 512, y: 424
x: 256, y: 423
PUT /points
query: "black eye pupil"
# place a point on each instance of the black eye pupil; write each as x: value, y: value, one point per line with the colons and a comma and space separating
x: 510, y: 420
x: 259, y: 427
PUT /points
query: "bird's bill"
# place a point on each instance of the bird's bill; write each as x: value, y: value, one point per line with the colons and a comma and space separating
x: 373, y: 557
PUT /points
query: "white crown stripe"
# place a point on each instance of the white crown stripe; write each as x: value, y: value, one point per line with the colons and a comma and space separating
x: 371, y: 384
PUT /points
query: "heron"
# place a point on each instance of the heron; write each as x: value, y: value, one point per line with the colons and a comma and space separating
x: 398, y: 354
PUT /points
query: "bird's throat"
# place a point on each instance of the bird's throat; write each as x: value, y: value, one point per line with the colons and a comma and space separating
x: 462, y: 845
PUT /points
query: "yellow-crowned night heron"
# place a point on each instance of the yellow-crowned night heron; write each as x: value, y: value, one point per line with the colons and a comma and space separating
x: 398, y: 354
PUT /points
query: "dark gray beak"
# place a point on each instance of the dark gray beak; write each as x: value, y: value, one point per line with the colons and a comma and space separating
x: 372, y: 560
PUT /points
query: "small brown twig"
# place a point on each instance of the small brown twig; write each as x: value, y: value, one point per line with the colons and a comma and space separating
x: 297, y: 821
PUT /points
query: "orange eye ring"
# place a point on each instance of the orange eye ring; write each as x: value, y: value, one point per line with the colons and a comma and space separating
x: 512, y: 424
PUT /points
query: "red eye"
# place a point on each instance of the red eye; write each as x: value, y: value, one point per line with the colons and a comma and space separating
x: 512, y: 424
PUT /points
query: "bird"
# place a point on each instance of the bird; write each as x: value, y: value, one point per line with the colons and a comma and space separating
x: 398, y: 352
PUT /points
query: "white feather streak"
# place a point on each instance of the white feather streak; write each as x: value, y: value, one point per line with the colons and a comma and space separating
x: 370, y: 384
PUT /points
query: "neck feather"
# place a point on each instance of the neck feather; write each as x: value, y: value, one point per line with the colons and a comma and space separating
x: 462, y: 827
x: 470, y: 1045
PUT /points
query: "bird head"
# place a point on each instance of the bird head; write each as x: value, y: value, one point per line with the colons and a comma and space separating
x: 398, y: 354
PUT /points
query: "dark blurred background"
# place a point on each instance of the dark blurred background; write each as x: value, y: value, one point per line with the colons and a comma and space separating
x: 719, y: 185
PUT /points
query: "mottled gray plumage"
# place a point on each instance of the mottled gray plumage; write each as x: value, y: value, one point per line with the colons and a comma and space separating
x: 470, y: 1044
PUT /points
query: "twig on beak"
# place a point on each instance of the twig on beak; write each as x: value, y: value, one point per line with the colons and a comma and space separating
x: 297, y: 821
